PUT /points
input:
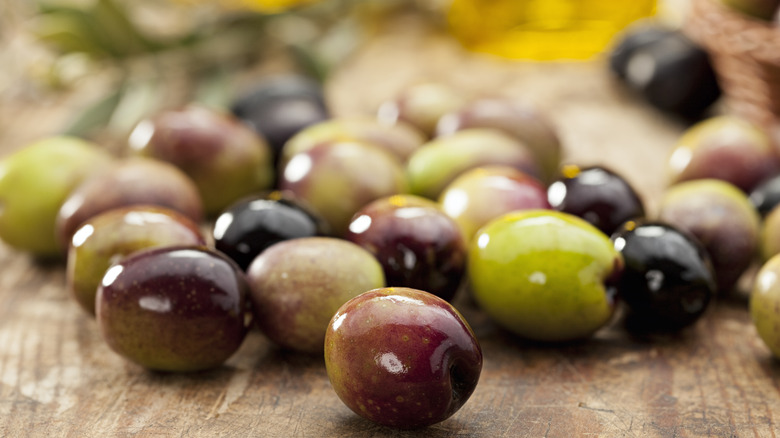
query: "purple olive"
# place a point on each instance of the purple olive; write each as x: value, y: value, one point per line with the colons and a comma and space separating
x: 726, y: 148
x: 174, y: 308
x: 132, y: 181
x: 416, y: 243
x: 402, y: 357
x: 106, y: 238
x: 222, y: 155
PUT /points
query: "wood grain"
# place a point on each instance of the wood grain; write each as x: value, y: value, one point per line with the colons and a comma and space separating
x: 58, y: 378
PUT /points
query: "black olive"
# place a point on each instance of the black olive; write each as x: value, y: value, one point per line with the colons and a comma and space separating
x: 250, y: 226
x: 668, y: 280
x: 667, y: 69
x: 278, y: 107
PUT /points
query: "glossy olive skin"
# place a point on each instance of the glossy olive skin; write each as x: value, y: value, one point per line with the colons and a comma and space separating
x: 400, y: 138
x: 766, y: 195
x: 518, y: 119
x: 480, y: 195
x: 225, y: 158
x: 668, y: 280
x: 279, y: 107
x: 437, y: 163
x: 401, y: 357
x: 596, y: 194
x: 726, y: 148
x: 250, y: 226
x: 297, y: 285
x: 131, y: 181
x: 337, y: 179
x: 544, y: 275
x: 421, y: 105
x: 174, y: 308
x: 765, y: 302
x: 34, y: 182
x: 109, y: 236
x: 418, y: 245
x: 720, y: 216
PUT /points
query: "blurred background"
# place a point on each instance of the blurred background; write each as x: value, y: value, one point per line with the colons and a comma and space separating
x: 93, y: 68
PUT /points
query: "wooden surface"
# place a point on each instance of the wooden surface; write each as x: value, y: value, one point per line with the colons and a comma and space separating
x: 58, y: 378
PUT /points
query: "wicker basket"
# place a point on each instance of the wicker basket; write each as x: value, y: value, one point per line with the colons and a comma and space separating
x: 745, y: 53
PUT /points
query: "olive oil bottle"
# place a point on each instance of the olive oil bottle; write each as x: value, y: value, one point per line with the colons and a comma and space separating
x: 543, y: 29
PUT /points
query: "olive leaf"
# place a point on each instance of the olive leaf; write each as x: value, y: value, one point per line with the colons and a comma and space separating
x: 95, y: 116
x: 139, y: 100
x: 69, y: 30
x: 118, y: 32
x: 101, y: 30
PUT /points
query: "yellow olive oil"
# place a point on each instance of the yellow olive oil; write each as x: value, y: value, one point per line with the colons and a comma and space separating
x: 543, y: 29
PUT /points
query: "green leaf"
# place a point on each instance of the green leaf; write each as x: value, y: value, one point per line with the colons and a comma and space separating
x: 139, y: 100
x: 69, y: 30
x: 117, y: 32
x: 95, y: 116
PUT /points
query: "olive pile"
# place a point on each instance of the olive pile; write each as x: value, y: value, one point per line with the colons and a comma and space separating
x: 308, y: 212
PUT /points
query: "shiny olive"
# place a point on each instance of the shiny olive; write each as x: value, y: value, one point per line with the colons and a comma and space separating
x: 668, y: 279
x: 250, y: 226
x: 417, y: 243
x: 596, y: 194
x: 182, y: 308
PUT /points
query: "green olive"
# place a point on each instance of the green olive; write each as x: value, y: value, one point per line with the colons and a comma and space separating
x: 765, y: 304
x: 544, y: 275
x: 34, y: 182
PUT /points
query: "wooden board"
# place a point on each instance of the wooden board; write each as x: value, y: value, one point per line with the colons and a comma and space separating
x: 58, y: 378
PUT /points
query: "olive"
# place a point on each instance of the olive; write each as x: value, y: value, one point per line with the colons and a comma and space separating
x: 667, y: 281
x: 544, y: 275
x: 278, y: 107
x: 178, y: 308
x: 764, y: 305
x: 596, y: 194
x: 667, y: 69
x: 726, y: 147
x: 766, y: 195
x: 720, y: 216
x: 251, y: 225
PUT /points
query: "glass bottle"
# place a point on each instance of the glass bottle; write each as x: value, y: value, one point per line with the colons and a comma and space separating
x: 543, y: 29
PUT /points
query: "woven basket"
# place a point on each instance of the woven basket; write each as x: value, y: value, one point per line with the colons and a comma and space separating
x: 745, y: 53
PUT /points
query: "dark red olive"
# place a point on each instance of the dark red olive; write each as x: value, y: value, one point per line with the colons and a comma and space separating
x: 174, y: 308
x: 416, y: 243
x: 597, y: 195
